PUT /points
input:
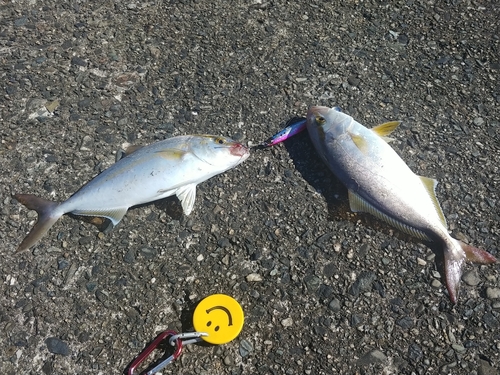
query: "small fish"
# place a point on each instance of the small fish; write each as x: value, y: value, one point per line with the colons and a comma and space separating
x: 380, y: 183
x: 294, y: 126
x: 172, y: 166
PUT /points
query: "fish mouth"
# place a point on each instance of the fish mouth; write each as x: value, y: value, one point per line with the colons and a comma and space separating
x: 238, y: 149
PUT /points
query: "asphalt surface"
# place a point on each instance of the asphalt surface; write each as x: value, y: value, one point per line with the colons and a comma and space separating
x: 324, y: 291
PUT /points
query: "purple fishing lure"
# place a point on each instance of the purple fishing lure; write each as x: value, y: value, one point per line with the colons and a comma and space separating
x: 293, y: 127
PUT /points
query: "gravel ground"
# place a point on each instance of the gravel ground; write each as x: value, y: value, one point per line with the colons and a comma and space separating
x: 324, y: 291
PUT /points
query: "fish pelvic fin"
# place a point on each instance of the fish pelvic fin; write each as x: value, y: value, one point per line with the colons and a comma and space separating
x: 46, y: 217
x: 455, y: 254
x: 187, y: 195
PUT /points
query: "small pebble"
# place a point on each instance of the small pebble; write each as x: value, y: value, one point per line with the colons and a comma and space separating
x: 493, y: 293
x: 478, y: 121
x: 57, y: 346
x: 436, y: 283
x: 288, y: 322
x: 228, y: 360
x: 471, y: 278
x: 334, y: 305
x: 458, y: 348
x: 254, y: 277
x: 372, y: 357
x: 246, y: 348
x: 421, y: 262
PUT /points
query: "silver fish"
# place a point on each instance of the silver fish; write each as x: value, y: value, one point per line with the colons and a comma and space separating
x: 379, y: 182
x: 172, y: 166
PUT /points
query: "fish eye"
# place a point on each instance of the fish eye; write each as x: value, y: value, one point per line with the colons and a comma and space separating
x: 220, y: 141
x: 320, y: 119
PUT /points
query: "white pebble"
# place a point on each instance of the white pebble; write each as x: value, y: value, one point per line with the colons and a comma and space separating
x: 254, y: 277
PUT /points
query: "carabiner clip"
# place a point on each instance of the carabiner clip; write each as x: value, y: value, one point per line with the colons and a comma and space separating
x: 184, y: 339
x: 146, y: 352
x: 187, y: 338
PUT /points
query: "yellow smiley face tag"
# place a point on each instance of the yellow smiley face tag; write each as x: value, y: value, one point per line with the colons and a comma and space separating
x: 220, y: 316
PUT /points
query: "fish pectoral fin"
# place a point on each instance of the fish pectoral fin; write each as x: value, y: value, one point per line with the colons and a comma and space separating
x: 172, y: 153
x: 430, y: 185
x: 360, y: 142
x: 383, y: 130
x: 187, y: 195
x: 358, y: 204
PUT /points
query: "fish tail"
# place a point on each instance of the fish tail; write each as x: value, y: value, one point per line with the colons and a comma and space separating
x: 455, y: 253
x: 477, y: 255
x: 46, y: 217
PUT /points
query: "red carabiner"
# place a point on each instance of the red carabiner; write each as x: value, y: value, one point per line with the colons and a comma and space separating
x: 146, y: 352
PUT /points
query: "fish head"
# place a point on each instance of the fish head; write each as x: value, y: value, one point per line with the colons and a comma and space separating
x: 322, y: 120
x: 326, y: 125
x: 221, y: 152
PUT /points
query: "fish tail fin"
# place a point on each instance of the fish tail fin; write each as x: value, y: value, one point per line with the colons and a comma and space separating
x: 46, y: 217
x: 476, y: 255
x: 455, y: 254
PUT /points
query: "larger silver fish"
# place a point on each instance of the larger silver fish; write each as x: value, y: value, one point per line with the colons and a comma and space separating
x: 380, y: 183
x: 172, y: 166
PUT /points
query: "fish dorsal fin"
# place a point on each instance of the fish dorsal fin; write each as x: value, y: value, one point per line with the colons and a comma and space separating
x: 383, y: 130
x: 430, y: 185
x: 187, y: 195
x: 358, y: 204
x: 360, y: 142
x: 172, y: 153
x: 121, y: 153
x: 132, y: 148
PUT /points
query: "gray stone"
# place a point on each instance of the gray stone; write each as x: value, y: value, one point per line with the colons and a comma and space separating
x: 312, y: 282
x: 373, y: 356
x: 493, y: 293
x: 363, y: 283
x: 471, y: 278
x: 334, y: 305
x: 57, y: 346
x: 245, y: 348
x: 415, y: 353
x: 485, y: 368
x: 478, y: 121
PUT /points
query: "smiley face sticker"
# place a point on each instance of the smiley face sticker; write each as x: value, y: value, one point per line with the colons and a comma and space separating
x: 220, y: 316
